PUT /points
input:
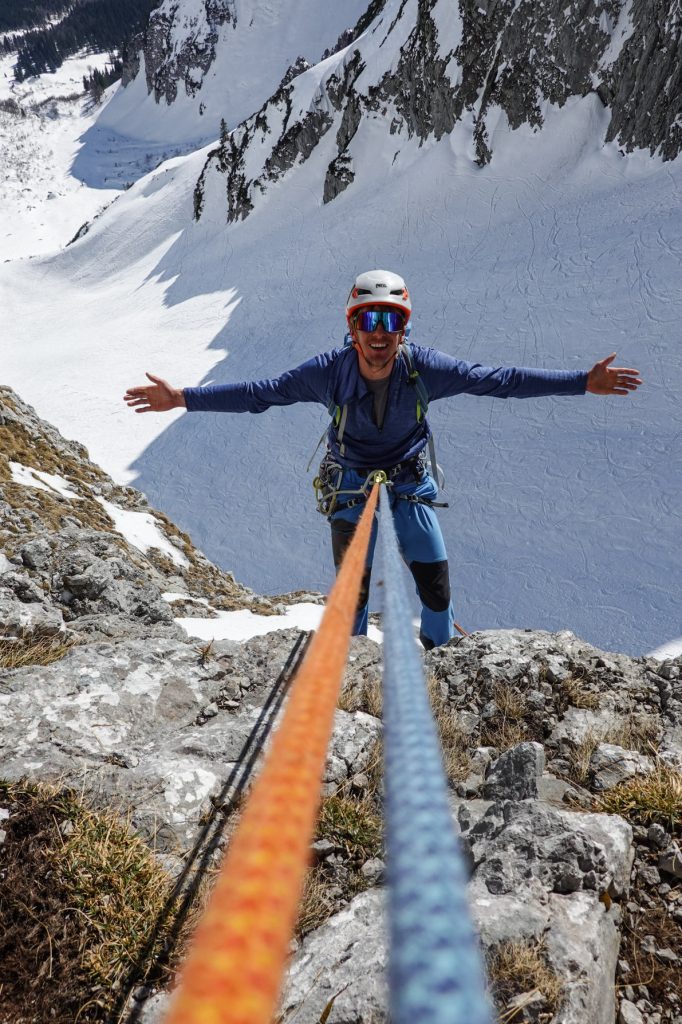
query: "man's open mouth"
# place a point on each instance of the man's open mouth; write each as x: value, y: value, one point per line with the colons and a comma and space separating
x: 379, y: 347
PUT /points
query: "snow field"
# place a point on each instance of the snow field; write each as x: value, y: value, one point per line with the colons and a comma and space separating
x: 565, y: 513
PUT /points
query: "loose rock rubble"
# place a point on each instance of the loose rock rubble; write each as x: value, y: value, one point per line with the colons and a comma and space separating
x: 138, y: 715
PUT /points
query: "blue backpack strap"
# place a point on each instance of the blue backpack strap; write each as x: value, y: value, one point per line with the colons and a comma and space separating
x: 339, y: 413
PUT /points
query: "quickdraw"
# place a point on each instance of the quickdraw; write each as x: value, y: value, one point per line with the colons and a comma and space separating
x: 328, y: 489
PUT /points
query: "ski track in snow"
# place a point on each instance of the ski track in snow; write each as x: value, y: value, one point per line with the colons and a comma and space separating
x: 565, y: 513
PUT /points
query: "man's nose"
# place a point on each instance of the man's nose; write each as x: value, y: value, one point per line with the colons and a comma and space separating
x: 379, y: 329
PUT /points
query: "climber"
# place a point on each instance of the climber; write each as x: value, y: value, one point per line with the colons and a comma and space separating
x: 376, y: 387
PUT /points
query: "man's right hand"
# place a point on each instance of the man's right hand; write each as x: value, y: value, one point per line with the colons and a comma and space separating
x: 158, y: 396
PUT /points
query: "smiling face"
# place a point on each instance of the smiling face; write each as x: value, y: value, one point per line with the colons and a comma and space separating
x: 377, y: 350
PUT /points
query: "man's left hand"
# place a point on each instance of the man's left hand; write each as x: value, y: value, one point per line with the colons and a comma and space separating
x: 604, y: 379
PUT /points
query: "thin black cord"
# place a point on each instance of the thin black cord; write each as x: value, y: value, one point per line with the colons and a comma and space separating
x: 210, y: 836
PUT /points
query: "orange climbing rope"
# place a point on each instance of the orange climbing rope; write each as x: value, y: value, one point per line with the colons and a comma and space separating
x: 234, y: 969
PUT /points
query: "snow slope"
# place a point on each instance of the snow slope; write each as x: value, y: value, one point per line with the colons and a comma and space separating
x: 43, y: 202
x: 565, y: 513
x: 253, y: 51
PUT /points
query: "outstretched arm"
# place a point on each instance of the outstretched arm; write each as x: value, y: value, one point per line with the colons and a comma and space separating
x: 158, y: 396
x: 604, y: 379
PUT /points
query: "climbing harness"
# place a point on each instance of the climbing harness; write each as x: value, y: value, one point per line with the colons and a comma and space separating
x: 330, y: 494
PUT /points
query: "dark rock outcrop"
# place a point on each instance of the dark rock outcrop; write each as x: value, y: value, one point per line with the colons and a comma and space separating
x: 423, y: 77
x: 169, y: 66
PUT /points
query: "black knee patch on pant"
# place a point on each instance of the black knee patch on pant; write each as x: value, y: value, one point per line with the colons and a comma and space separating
x: 433, y: 584
x: 342, y: 534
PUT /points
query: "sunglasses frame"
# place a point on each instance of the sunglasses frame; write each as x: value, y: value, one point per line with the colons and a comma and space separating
x: 380, y: 314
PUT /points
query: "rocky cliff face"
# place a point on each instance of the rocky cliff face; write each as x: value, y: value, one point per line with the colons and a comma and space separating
x: 421, y: 68
x: 202, y: 62
x: 565, y: 762
x: 168, y: 66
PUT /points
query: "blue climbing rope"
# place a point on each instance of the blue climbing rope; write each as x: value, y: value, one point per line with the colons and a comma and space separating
x: 435, y: 969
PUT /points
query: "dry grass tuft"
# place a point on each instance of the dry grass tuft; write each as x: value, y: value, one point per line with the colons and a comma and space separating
x: 117, y: 886
x: 367, y: 697
x: 33, y: 650
x: 574, y: 692
x: 319, y: 901
x: 663, y: 980
x: 515, y: 968
x: 79, y: 896
x: 507, y: 728
x: 637, y: 733
x: 374, y: 770
x: 580, y: 755
x: 455, y: 741
x: 353, y: 826
x: 204, y: 579
x: 511, y: 702
x: 18, y: 444
x: 646, y: 799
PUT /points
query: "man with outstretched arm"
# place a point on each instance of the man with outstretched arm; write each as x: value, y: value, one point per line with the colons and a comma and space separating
x: 377, y: 389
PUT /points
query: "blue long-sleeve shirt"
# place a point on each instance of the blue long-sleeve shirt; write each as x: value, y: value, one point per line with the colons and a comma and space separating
x: 333, y: 378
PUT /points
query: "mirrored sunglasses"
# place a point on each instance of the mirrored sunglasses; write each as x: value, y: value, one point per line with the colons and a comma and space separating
x: 368, y: 320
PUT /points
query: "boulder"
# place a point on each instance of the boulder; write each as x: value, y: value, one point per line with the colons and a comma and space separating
x: 611, y: 765
x: 515, y: 774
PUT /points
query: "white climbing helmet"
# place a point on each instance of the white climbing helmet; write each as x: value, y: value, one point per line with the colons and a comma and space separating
x: 378, y: 288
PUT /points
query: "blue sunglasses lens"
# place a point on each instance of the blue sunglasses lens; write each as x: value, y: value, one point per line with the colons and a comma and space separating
x: 369, y: 320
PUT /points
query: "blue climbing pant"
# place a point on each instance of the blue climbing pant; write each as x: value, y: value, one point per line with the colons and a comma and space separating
x: 421, y: 546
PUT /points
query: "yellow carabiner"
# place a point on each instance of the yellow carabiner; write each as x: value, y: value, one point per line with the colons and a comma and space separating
x: 379, y: 477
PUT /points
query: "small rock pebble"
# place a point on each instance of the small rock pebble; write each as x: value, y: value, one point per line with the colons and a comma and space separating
x: 629, y: 1014
x: 373, y: 870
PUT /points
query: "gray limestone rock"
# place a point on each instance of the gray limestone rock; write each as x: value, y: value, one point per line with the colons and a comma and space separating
x: 36, y: 554
x: 373, y: 870
x: 657, y: 836
x: 515, y: 774
x: 348, y: 956
x: 629, y: 1014
x: 20, y: 619
x: 126, y: 721
x: 581, y: 936
x: 670, y: 861
x: 519, y: 844
x: 154, y: 1009
x: 582, y: 946
x: 351, y: 748
x: 611, y: 765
